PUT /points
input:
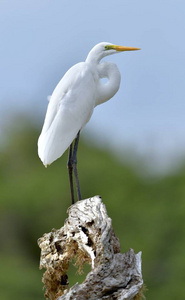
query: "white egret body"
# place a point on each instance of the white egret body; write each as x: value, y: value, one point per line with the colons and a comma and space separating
x: 74, y: 98
x: 73, y: 101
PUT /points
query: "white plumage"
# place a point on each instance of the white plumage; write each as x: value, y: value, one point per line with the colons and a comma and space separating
x: 74, y: 98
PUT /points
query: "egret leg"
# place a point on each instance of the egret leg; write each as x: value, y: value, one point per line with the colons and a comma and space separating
x: 70, y: 171
x: 74, y: 164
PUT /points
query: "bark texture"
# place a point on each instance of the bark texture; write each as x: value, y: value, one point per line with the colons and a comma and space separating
x: 88, y: 237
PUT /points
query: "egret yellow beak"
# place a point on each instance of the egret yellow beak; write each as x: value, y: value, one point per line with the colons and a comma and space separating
x: 121, y: 48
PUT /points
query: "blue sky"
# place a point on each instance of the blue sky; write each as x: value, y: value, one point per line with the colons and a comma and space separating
x: 41, y: 40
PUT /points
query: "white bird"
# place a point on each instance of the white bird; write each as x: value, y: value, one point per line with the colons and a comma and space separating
x: 72, y: 103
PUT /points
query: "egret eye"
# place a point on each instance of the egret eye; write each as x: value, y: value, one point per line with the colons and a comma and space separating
x: 108, y: 47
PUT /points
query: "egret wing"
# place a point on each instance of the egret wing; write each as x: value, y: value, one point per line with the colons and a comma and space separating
x: 69, y: 109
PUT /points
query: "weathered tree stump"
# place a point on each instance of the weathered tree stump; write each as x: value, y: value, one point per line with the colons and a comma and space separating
x: 88, y: 237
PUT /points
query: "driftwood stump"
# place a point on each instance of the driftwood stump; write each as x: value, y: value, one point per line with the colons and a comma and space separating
x: 88, y: 237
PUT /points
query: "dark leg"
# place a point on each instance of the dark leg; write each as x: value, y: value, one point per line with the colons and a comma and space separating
x: 74, y: 160
x: 70, y: 170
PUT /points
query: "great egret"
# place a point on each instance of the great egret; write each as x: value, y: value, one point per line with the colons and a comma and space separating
x: 72, y: 103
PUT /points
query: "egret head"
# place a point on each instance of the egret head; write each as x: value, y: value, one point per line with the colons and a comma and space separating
x: 103, y: 49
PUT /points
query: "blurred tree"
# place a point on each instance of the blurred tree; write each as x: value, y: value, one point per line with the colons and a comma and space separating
x: 148, y: 214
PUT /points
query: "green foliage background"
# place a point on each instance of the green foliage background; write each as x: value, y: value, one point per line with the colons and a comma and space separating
x: 148, y: 214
